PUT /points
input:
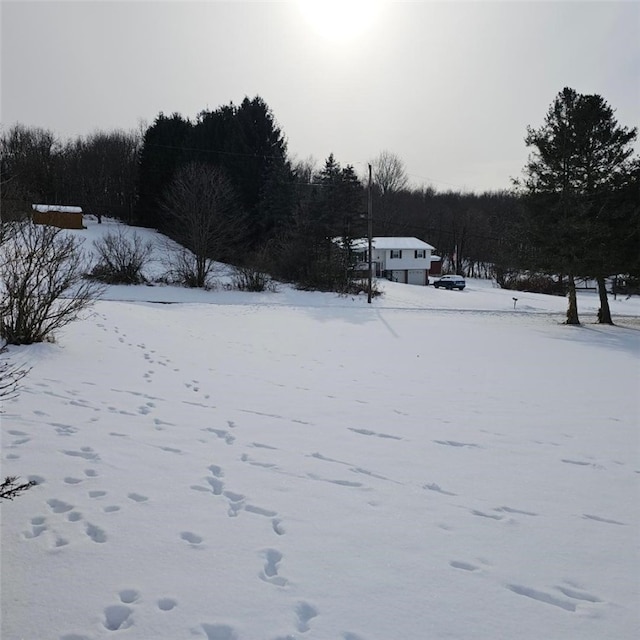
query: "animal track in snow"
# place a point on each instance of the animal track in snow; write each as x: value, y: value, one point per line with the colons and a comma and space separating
x: 277, y: 527
x: 435, y: 487
x: 38, y: 526
x: 74, y: 516
x: 85, y: 452
x: 236, y: 502
x: 368, y: 432
x: 97, y: 494
x: 216, y: 470
x: 491, y: 516
x: 605, y: 520
x: 166, y: 604
x: 342, y: 483
x: 578, y: 595
x: 117, y: 617
x: 541, y: 596
x: 259, y: 445
x: 581, y: 463
x: 221, y: 433
x: 270, y: 572
x: 466, y: 566
x: 304, y: 613
x: 454, y: 443
x: 136, y: 497
x: 90, y: 473
x: 129, y: 596
x: 111, y: 508
x: 260, y: 511
x: 518, y: 511
x: 96, y: 534
x: 265, y: 465
x: 219, y: 631
x: 70, y: 480
x: 63, y: 429
x: 191, y: 538
x: 58, y: 506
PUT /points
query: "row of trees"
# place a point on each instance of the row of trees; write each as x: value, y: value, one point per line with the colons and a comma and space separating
x: 98, y: 172
x: 224, y: 187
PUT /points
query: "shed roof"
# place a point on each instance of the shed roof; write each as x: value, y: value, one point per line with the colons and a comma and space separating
x: 47, y: 208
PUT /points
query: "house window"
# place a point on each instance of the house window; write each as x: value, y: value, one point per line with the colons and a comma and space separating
x: 420, y: 253
x: 396, y: 253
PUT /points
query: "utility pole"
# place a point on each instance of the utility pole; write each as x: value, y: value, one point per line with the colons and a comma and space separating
x: 370, y: 234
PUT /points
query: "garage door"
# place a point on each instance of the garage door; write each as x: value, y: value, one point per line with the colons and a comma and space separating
x: 398, y: 275
x: 416, y: 276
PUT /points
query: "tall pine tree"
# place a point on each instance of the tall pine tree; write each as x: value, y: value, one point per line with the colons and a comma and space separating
x: 578, y: 154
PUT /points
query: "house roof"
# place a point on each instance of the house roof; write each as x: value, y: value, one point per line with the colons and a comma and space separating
x: 46, y: 208
x: 392, y: 242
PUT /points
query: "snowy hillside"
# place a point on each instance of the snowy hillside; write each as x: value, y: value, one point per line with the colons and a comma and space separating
x: 298, y: 465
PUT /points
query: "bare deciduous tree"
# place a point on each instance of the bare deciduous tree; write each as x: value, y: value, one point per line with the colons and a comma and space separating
x: 389, y: 173
x: 205, y: 220
x: 42, y: 284
x: 389, y: 179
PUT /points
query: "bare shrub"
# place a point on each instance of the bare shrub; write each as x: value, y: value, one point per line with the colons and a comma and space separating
x: 10, y: 488
x: 252, y: 279
x: 357, y: 286
x: 42, y: 283
x: 531, y: 282
x: 122, y: 258
x: 10, y: 376
x: 184, y: 268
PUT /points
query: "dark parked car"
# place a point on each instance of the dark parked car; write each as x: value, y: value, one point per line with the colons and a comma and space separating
x: 450, y: 282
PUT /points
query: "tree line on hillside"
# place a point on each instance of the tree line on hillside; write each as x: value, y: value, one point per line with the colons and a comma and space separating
x: 224, y: 186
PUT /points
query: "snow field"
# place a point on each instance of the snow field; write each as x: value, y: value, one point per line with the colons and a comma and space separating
x: 299, y: 465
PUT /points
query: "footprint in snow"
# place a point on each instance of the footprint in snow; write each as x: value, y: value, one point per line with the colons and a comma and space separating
x: 219, y: 631
x: 129, y: 596
x: 191, y: 538
x: 38, y: 526
x: 117, y: 617
x: 58, y: 506
x: 167, y: 604
x: 305, y: 613
x: 96, y: 534
x: 137, y: 497
x: 465, y: 566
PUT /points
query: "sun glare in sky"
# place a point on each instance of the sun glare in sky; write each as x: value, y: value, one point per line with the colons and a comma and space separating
x: 339, y: 20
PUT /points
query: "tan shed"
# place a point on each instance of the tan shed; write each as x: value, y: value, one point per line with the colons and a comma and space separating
x: 60, y: 216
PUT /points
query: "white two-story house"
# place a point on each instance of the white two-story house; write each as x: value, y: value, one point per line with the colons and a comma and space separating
x: 406, y: 260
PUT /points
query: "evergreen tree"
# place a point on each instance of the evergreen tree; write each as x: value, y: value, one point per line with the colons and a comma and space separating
x: 161, y: 155
x: 246, y: 143
x: 579, y: 152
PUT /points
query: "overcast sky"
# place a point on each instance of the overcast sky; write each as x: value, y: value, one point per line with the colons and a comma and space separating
x: 449, y: 87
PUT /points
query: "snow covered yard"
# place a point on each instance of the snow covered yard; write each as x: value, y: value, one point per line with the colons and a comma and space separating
x: 301, y: 465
